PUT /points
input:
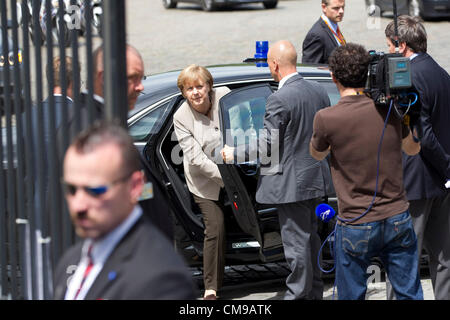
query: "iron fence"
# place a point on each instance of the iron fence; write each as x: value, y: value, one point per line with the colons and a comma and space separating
x: 35, y: 227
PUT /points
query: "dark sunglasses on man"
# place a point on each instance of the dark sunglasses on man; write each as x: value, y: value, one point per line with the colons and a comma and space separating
x: 95, y: 191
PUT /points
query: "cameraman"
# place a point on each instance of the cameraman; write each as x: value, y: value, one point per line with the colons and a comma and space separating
x: 368, y: 226
x: 426, y: 173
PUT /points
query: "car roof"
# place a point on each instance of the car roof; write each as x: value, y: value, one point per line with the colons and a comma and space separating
x: 160, y: 86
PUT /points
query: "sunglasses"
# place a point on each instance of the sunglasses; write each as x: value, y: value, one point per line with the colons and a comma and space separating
x: 97, y: 191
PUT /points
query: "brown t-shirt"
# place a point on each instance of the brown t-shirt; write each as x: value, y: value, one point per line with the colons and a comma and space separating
x: 353, y: 128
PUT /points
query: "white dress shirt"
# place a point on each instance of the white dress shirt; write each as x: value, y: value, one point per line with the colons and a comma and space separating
x: 283, y: 81
x: 101, y: 250
x: 60, y: 95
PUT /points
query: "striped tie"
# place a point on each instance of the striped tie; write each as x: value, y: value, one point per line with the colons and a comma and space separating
x: 340, y: 36
x: 87, y: 271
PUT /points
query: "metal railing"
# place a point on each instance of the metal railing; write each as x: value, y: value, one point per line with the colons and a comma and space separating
x: 35, y: 228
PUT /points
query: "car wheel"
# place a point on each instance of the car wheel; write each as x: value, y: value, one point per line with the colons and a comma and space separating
x: 169, y: 4
x: 208, y: 5
x: 270, y: 4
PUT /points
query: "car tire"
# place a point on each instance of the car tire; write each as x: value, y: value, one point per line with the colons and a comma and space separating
x: 270, y: 4
x: 208, y: 5
x: 169, y: 4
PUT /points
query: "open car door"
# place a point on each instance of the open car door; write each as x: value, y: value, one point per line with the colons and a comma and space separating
x: 242, y: 117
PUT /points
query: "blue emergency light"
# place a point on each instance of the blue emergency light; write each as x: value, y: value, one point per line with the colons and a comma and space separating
x: 260, y: 57
x: 262, y: 47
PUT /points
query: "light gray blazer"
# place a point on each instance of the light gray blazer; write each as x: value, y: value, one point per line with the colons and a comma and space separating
x: 200, y: 139
x: 290, y: 112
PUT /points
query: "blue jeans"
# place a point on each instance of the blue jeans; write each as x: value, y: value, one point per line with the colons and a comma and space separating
x: 392, y: 240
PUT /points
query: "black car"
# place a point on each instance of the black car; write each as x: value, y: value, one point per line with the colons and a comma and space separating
x: 252, y: 230
x: 210, y: 5
x: 427, y: 9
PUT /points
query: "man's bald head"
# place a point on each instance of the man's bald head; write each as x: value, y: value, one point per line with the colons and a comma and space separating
x: 284, y: 51
x: 282, y: 59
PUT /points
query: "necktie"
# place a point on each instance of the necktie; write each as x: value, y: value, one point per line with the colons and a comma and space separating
x: 87, y: 271
x: 340, y: 36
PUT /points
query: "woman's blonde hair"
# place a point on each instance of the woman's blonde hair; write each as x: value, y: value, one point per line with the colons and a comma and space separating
x: 194, y: 73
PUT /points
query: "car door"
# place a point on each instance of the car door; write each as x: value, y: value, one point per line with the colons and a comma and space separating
x: 241, y: 117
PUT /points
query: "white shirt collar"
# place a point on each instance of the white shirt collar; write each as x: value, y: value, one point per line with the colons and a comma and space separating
x: 60, y: 95
x: 283, y: 81
x: 95, y: 96
x: 413, y: 56
x: 98, y: 98
x: 100, y: 252
x: 103, y: 247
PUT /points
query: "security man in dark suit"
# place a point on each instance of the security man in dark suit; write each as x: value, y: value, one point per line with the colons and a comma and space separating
x: 324, y: 36
x: 122, y: 254
x: 426, y: 174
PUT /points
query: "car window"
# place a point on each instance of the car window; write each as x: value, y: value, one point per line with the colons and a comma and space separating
x: 332, y: 91
x: 243, y: 113
x: 150, y: 123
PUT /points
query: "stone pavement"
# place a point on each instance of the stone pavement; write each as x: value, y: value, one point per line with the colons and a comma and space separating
x: 274, y: 290
x: 172, y: 39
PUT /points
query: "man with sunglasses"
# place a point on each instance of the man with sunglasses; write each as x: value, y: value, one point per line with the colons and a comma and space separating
x: 122, y: 254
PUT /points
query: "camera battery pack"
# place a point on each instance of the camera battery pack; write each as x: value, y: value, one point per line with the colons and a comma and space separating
x: 399, y: 72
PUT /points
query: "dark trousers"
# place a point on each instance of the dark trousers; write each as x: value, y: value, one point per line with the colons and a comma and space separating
x: 301, y: 244
x: 431, y: 220
x: 213, y: 244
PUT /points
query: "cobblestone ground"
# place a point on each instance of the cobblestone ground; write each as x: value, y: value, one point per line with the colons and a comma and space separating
x: 274, y: 290
x: 172, y: 39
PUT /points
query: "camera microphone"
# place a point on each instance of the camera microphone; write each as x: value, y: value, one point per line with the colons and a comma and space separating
x: 325, y: 212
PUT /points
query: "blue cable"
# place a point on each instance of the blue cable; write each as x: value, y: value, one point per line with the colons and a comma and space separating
x: 415, y: 100
x: 333, y: 233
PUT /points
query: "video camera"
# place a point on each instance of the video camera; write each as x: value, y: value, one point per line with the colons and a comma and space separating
x: 389, y: 81
x: 389, y: 77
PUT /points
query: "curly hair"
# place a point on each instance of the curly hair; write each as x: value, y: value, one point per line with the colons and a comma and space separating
x: 349, y: 65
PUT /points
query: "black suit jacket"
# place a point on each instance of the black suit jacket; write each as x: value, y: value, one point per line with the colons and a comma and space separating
x: 60, y: 102
x: 319, y: 43
x: 144, y: 264
x: 425, y: 174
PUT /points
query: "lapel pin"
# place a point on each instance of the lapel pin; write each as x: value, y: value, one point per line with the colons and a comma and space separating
x: 112, y: 275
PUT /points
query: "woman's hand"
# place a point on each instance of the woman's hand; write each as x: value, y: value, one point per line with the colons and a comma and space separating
x: 227, y: 154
